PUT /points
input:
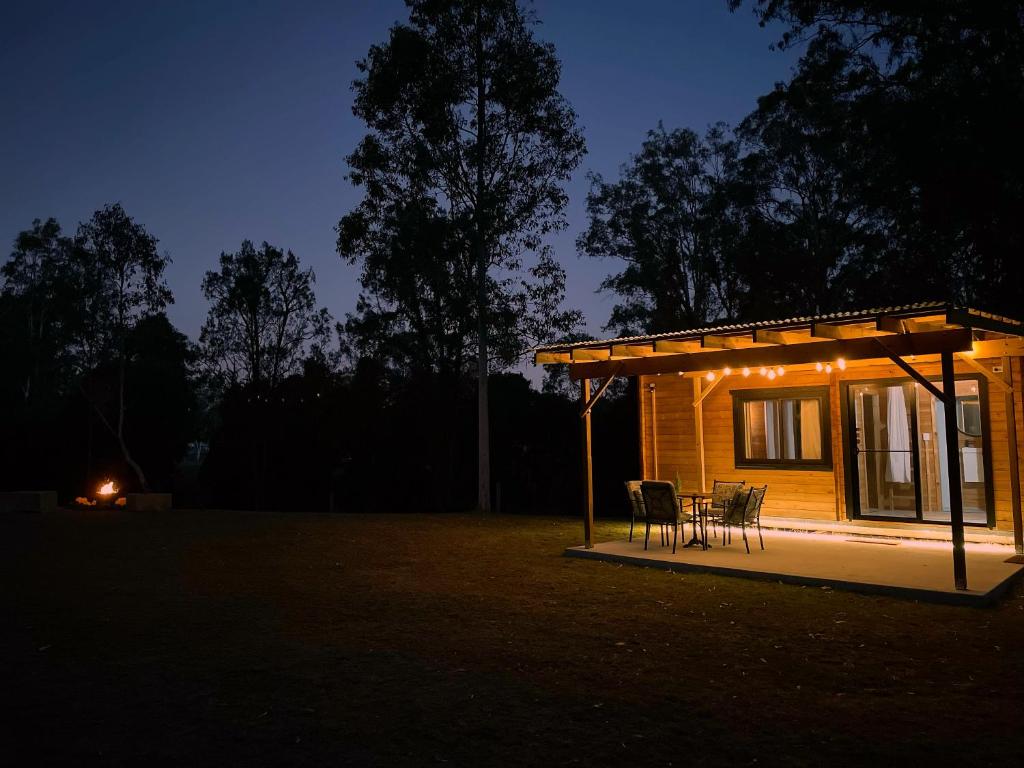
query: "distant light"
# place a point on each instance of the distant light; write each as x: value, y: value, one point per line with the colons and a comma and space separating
x: 781, y: 371
x: 771, y: 375
x: 828, y: 367
x: 819, y: 367
x: 727, y: 371
x: 711, y: 376
x: 841, y: 363
x: 763, y: 371
x: 746, y: 371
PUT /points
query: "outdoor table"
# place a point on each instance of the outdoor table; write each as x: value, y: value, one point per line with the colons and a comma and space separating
x: 700, y: 500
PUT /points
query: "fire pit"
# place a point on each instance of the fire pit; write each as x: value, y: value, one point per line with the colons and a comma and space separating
x: 106, y: 497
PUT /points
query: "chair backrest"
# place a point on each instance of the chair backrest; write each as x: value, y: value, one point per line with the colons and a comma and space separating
x: 734, y: 510
x: 723, y: 492
x: 755, y: 498
x: 660, y: 500
x: 636, y: 499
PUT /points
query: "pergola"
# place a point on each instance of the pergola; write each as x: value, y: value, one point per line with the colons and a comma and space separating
x: 905, y: 335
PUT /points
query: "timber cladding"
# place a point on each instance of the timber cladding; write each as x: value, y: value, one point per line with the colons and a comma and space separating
x: 813, y: 494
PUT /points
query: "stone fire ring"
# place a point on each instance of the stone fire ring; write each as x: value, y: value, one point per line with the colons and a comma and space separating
x: 147, y: 502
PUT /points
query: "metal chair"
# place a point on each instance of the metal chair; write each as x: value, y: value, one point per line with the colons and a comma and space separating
x: 636, y: 505
x: 745, y: 510
x: 722, y: 494
x: 663, y: 508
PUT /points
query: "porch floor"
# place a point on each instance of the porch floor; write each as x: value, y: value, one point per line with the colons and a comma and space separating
x: 917, y: 570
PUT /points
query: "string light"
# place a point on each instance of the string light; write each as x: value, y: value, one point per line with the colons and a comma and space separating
x: 841, y: 363
x: 780, y: 371
x: 828, y: 367
x: 819, y: 367
x: 746, y: 371
x: 771, y: 375
x: 727, y: 371
x: 764, y: 371
x: 711, y: 376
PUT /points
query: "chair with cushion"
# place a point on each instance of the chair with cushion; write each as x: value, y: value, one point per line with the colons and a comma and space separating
x: 663, y: 508
x: 722, y: 495
x: 745, y: 510
x: 636, y: 505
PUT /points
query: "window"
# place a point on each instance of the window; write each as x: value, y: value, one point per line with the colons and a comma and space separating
x: 782, y: 428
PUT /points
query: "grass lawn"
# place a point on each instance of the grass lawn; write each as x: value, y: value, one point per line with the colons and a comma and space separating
x: 229, y: 638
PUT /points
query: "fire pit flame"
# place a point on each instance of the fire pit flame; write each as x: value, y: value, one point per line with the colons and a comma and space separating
x: 107, y: 489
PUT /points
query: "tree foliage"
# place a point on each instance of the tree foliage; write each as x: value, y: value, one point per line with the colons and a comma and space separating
x: 668, y: 219
x: 928, y: 99
x: 469, y: 145
x: 263, y: 320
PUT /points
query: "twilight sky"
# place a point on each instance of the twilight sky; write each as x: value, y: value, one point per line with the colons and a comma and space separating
x: 216, y: 121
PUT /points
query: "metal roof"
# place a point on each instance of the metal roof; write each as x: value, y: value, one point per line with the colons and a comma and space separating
x: 919, y: 309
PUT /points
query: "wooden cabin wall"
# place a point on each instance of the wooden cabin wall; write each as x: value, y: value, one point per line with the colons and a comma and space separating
x: 794, y: 493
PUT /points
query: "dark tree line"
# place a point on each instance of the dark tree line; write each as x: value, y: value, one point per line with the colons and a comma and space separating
x: 887, y: 169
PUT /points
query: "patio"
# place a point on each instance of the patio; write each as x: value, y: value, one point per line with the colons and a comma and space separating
x: 911, y: 569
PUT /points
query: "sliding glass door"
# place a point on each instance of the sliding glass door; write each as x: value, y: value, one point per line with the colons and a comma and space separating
x: 897, y: 452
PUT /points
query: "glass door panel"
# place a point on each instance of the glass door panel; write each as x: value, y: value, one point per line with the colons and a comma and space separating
x: 884, y: 422
x: 932, y: 446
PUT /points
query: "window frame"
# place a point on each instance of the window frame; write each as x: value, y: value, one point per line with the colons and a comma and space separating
x: 742, y: 396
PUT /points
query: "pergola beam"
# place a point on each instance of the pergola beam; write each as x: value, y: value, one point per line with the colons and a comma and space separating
x: 676, y: 347
x: 718, y: 341
x: 839, y: 332
x: 766, y: 336
x: 548, y: 358
x: 590, y: 353
x: 597, y: 395
x: 911, y: 371
x: 632, y: 350
x: 931, y: 343
x: 990, y: 375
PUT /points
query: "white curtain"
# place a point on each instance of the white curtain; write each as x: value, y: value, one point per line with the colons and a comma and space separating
x: 899, y: 437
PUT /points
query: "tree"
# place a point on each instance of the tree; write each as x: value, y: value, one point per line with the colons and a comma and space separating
x: 36, y: 319
x: 668, y: 218
x: 470, y: 143
x: 263, y: 319
x: 937, y: 91
x: 813, y: 239
x: 117, y: 274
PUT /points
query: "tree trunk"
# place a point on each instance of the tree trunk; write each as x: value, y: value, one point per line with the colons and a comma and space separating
x: 143, y: 485
x: 483, y: 426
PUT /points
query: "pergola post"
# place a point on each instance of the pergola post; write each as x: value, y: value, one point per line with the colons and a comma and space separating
x: 956, y: 501
x: 588, y: 467
x: 1010, y: 401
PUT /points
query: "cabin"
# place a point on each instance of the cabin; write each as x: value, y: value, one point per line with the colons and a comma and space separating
x: 846, y: 417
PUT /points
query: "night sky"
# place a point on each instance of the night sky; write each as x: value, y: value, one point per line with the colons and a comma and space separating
x: 212, y: 122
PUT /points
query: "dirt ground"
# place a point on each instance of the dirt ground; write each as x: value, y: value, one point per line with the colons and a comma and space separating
x: 230, y: 638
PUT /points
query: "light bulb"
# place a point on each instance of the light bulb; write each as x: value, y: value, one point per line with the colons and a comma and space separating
x: 771, y: 375
x: 727, y: 371
x: 711, y: 376
x: 781, y: 371
x: 746, y: 371
x: 828, y: 367
x: 764, y: 371
x: 841, y: 363
x: 819, y: 367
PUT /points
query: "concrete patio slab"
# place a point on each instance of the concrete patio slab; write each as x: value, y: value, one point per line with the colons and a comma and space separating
x: 916, y: 570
